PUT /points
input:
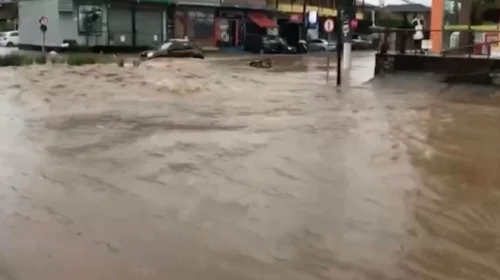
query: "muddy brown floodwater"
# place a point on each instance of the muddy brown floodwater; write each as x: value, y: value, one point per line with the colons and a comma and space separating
x: 212, y: 170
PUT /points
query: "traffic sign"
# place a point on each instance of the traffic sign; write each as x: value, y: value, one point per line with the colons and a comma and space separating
x: 43, y: 21
x: 345, y: 29
x: 354, y: 23
x: 328, y: 25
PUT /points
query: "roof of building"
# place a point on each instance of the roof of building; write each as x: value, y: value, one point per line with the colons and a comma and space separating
x: 407, y: 8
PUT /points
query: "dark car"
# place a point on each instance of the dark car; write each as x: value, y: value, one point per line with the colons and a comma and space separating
x: 361, y: 43
x: 175, y: 48
x: 267, y: 44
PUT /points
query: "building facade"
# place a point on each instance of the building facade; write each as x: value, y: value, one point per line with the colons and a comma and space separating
x: 114, y: 23
x: 141, y: 23
x: 146, y: 23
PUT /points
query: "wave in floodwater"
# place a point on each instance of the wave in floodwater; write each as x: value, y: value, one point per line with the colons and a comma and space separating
x: 215, y: 170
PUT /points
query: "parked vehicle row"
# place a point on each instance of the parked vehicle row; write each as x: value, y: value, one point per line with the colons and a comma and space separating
x: 253, y: 43
x: 275, y: 44
x: 270, y: 44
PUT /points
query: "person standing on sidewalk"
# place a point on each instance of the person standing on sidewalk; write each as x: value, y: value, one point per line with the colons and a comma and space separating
x: 418, y: 36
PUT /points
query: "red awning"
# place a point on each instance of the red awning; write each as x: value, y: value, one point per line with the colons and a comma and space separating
x: 262, y: 20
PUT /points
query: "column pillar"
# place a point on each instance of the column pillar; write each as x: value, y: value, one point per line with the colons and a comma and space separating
x: 437, y: 24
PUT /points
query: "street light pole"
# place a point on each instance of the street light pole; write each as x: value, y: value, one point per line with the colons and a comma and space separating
x: 350, y: 15
x: 338, y: 24
x: 304, y: 20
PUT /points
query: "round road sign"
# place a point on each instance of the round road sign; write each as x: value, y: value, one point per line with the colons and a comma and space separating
x: 354, y: 23
x: 43, y: 21
x: 328, y: 25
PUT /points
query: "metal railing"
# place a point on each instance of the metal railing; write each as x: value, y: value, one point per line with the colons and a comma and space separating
x: 466, y: 42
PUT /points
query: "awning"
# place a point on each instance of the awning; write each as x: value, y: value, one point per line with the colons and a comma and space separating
x: 261, y: 20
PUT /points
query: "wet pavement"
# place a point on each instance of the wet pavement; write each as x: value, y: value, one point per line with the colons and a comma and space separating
x: 191, y: 169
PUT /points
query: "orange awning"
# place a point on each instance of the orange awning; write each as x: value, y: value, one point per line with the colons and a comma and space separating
x: 262, y: 20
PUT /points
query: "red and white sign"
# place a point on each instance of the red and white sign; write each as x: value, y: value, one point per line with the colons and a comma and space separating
x: 328, y: 25
x: 354, y: 23
x: 43, y: 21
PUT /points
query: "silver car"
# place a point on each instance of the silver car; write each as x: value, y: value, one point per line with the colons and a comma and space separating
x: 321, y: 45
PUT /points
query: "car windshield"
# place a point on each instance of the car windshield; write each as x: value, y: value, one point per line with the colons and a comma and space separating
x: 165, y: 46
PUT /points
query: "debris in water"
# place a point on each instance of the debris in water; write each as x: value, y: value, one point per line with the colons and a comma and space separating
x: 261, y: 63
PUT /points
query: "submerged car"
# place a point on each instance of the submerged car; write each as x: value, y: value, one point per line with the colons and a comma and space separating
x: 175, y: 48
x: 361, y: 43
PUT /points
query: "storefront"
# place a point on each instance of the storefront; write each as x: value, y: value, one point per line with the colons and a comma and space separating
x: 237, y: 18
x: 196, y: 23
x: 291, y: 27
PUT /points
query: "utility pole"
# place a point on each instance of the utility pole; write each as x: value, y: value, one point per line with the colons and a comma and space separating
x: 304, y: 19
x: 349, y: 16
x: 338, y: 24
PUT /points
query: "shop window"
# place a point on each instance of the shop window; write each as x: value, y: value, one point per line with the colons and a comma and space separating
x: 90, y: 20
x: 491, y: 15
x: 200, y: 24
x: 180, y: 24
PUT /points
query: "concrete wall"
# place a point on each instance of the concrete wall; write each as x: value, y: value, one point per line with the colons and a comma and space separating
x: 457, y: 69
x: 30, y: 11
x: 61, y: 25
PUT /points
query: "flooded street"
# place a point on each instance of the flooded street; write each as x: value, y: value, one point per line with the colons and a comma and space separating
x: 189, y: 169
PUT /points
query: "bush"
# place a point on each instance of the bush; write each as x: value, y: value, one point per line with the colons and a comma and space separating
x: 21, y: 59
x: 81, y: 59
x: 15, y: 59
x: 41, y: 59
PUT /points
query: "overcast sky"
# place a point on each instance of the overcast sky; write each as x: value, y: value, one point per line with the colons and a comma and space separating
x: 398, y: 2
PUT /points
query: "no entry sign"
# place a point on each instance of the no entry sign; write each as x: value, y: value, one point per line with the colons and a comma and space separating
x: 328, y: 25
x: 43, y: 21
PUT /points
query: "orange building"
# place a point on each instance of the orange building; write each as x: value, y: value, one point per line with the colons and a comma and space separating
x: 437, y: 23
x: 451, y: 18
